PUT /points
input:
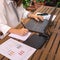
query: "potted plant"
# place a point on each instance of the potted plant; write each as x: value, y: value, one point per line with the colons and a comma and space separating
x: 26, y: 3
x: 42, y: 2
x: 58, y: 4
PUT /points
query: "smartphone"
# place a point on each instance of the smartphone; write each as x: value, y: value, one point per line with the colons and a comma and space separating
x: 43, y: 14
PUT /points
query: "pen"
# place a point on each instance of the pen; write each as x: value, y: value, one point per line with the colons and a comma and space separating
x: 23, y: 24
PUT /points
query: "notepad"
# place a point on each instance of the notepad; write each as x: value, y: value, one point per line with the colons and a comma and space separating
x: 15, y: 50
x: 23, y: 38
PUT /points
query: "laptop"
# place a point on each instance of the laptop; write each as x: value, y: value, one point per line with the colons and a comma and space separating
x: 35, y: 26
x: 40, y: 26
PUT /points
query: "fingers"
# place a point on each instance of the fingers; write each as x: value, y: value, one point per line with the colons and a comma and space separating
x: 23, y: 31
x: 40, y: 18
x: 36, y: 19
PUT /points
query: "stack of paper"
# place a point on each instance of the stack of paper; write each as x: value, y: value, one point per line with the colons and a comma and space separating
x: 15, y: 50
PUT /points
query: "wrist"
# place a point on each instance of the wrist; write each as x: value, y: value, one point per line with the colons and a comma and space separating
x: 11, y: 30
x: 30, y: 15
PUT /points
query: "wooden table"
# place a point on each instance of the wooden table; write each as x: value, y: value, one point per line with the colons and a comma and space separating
x: 51, y: 49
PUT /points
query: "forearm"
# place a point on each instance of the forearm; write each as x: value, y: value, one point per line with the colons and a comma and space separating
x: 36, y: 17
x: 12, y: 30
x: 21, y: 31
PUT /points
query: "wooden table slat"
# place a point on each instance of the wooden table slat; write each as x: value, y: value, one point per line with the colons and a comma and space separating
x: 54, y: 48
x: 58, y: 54
x: 46, y: 51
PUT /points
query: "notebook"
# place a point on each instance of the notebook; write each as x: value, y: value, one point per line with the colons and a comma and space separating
x: 36, y: 41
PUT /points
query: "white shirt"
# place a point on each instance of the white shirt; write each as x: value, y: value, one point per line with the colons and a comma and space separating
x: 8, y: 17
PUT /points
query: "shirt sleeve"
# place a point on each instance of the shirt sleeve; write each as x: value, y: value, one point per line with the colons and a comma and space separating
x: 3, y: 22
x: 4, y: 28
x: 25, y: 15
x: 25, y: 12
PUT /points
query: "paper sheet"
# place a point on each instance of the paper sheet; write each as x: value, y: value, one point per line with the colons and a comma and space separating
x: 23, y: 38
x: 48, y: 16
x: 15, y: 50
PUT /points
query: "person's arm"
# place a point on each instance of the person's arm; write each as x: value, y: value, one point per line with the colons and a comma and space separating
x: 4, y: 28
x: 31, y: 15
x: 21, y: 31
x: 36, y: 17
x: 25, y: 12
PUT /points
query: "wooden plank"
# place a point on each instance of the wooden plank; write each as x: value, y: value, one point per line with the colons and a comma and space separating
x: 1, y: 56
x: 37, y: 54
x: 58, y: 25
x: 46, y: 51
x: 5, y: 58
x: 57, y: 16
x: 40, y: 8
x: 54, y: 48
x: 55, y: 26
x: 46, y: 9
x: 57, y: 12
x: 57, y: 57
x: 49, y: 9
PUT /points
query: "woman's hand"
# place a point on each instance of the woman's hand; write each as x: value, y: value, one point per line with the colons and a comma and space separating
x: 36, y: 17
x: 21, y: 31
